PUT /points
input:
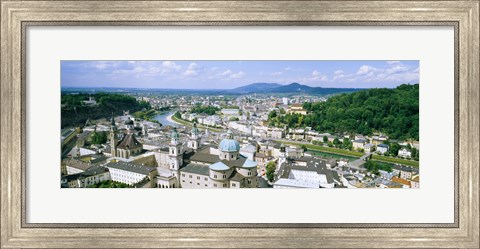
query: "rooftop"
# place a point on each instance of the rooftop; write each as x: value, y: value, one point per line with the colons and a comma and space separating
x: 140, y: 169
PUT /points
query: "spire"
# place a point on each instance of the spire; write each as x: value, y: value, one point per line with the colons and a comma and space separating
x: 113, y: 120
x: 229, y: 134
x: 113, y: 127
x: 195, y: 130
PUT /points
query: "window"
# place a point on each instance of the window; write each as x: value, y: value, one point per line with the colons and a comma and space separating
x: 206, y: 179
x: 249, y: 173
x: 234, y: 184
x: 224, y: 185
x: 183, y: 174
x: 198, y: 183
x: 198, y: 177
x: 214, y: 176
x: 232, y: 156
x: 190, y: 176
x: 215, y: 185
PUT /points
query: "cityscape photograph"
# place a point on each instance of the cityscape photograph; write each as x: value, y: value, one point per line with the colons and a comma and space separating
x: 240, y: 124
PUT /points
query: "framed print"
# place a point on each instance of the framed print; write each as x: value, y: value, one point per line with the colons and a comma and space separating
x: 247, y: 124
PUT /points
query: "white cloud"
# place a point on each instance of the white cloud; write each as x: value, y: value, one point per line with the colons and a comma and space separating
x: 338, y: 72
x: 317, y: 76
x: 238, y: 75
x: 228, y: 72
x: 365, y: 69
x: 287, y: 69
x: 276, y: 73
x: 170, y: 65
x: 193, y: 70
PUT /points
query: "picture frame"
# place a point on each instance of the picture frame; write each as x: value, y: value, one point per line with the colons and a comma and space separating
x: 16, y: 16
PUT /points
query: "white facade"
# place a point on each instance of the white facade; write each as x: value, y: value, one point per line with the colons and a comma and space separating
x: 404, y: 153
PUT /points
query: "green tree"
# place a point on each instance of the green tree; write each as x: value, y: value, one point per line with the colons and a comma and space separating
x: 99, y: 137
x: 325, y: 139
x: 271, y: 167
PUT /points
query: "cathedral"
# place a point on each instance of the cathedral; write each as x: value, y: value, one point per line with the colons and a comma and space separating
x: 189, y: 164
x: 197, y: 167
x: 128, y: 146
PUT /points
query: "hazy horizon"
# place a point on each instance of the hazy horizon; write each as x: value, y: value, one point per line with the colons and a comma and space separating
x: 222, y: 75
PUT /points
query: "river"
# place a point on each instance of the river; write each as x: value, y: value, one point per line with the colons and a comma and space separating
x: 163, y: 118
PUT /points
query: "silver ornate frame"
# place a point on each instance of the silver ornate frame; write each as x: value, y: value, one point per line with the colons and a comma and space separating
x: 16, y: 16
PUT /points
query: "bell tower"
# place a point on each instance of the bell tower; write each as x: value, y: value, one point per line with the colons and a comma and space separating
x: 113, y: 138
x: 175, y: 153
x: 194, y: 142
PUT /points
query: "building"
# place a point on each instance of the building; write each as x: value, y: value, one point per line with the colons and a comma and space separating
x: 359, y: 143
x: 128, y: 146
x: 305, y: 172
x: 382, y: 148
x: 228, y: 169
x: 404, y: 172
x: 404, y: 153
x: 415, y: 183
x: 297, y: 109
x: 230, y: 112
x: 130, y: 173
x: 368, y: 147
x: 405, y: 183
x: 91, y: 176
x: 67, y: 135
x: 75, y: 166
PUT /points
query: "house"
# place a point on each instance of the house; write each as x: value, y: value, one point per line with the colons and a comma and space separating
x: 297, y: 109
x: 405, y: 183
x: 404, y: 172
x: 415, y: 183
x: 382, y: 148
x: 91, y: 176
x: 358, y: 143
x: 368, y: 147
x: 404, y: 153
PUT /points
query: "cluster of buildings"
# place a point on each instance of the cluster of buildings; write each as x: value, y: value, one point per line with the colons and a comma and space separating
x: 144, y: 154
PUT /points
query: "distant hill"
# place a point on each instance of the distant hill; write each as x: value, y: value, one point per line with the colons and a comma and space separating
x: 256, y: 87
x: 290, y: 88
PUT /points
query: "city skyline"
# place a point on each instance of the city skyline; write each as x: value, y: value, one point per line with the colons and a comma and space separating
x: 232, y: 74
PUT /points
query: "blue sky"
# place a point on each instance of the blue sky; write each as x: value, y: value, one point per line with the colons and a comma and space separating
x: 231, y: 74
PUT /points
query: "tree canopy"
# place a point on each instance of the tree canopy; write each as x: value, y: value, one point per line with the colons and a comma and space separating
x: 394, y: 112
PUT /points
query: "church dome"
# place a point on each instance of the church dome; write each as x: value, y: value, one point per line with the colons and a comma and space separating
x: 229, y: 145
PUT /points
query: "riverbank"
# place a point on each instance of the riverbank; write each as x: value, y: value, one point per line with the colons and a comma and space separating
x: 170, y: 119
x: 187, y: 123
x: 355, y: 154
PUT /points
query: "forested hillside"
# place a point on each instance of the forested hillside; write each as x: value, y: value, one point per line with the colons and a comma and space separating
x: 75, y: 112
x: 391, y: 111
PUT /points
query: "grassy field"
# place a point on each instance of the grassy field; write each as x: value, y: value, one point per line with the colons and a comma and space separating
x: 357, y: 154
x: 181, y: 121
x: 395, y: 160
x: 329, y: 149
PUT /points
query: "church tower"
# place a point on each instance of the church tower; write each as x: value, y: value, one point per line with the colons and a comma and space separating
x: 194, y: 142
x: 113, y: 138
x: 282, y: 156
x: 175, y: 153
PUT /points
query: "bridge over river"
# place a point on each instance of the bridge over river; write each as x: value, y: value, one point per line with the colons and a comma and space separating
x: 357, y: 164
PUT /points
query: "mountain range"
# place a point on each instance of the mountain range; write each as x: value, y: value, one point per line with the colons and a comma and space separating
x: 290, y: 88
x: 267, y: 88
